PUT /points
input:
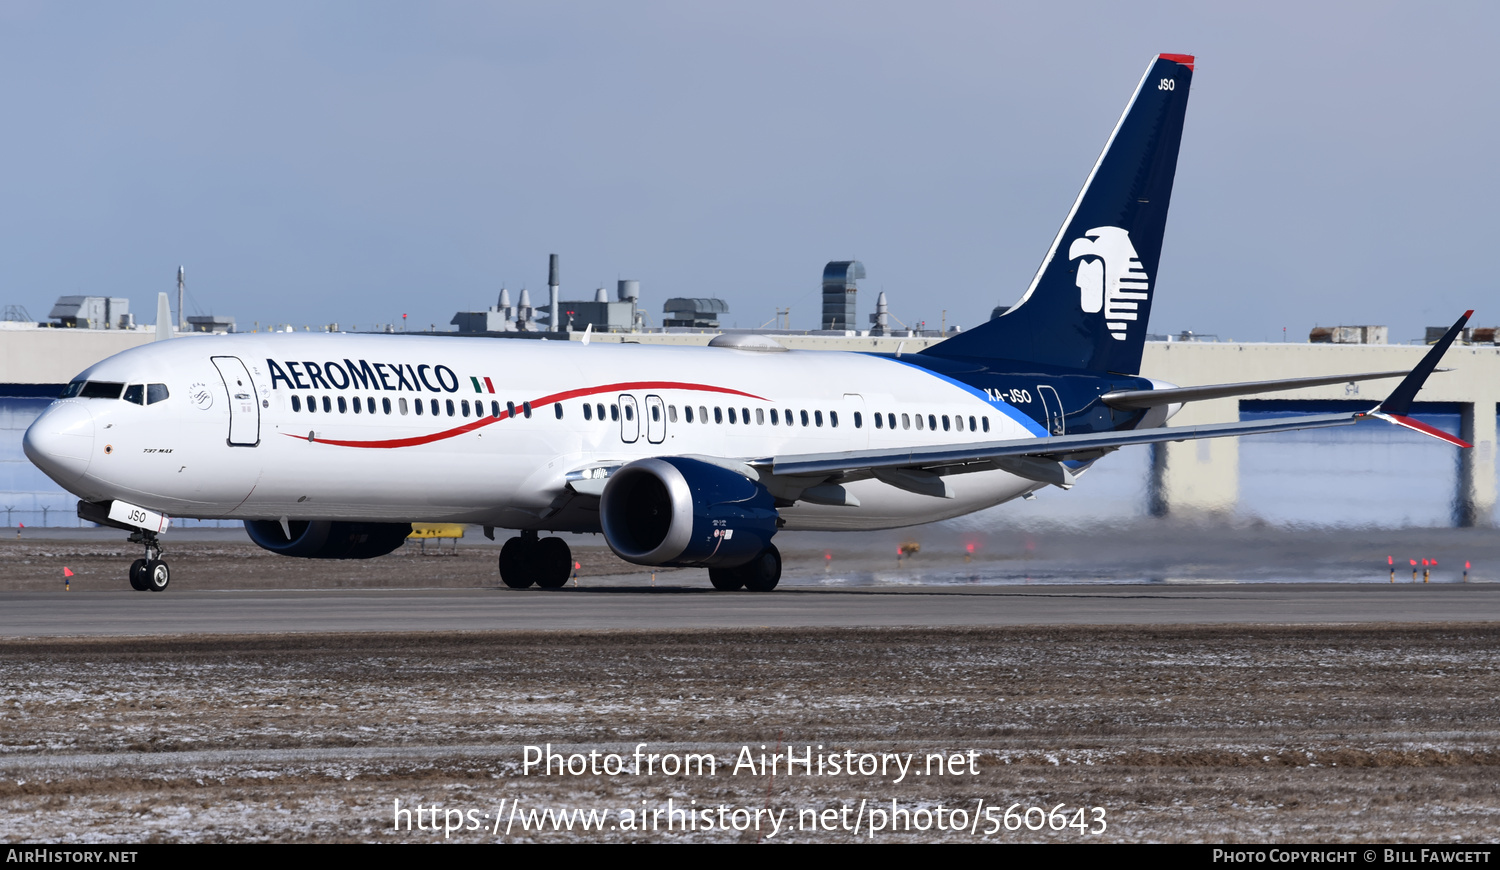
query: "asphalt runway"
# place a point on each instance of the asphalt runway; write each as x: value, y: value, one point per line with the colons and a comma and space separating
x: 106, y: 613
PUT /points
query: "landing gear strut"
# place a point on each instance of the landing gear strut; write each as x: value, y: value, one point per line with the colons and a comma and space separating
x: 151, y: 573
x: 760, y: 574
x: 526, y: 560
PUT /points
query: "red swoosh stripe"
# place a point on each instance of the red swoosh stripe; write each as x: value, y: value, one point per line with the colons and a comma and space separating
x: 539, y: 403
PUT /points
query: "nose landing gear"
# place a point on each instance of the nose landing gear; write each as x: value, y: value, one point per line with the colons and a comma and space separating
x: 150, y: 574
x: 526, y: 560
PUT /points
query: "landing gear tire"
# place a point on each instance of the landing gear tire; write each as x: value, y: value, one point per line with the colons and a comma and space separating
x: 515, y: 563
x: 138, y: 576
x: 552, y: 561
x: 726, y: 579
x: 157, y: 575
x: 762, y: 573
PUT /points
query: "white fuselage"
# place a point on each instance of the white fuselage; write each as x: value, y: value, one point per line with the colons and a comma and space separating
x: 218, y: 447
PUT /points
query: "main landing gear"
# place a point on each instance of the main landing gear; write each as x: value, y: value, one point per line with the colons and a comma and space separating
x: 760, y: 574
x: 526, y: 560
x: 151, y: 573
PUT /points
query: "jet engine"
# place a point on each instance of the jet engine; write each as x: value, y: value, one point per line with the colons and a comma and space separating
x: 324, y: 539
x: 678, y: 511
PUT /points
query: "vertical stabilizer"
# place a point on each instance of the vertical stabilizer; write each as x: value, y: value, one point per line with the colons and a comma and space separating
x: 1088, y: 305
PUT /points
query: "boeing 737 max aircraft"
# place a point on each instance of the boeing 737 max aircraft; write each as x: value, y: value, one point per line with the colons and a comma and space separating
x: 330, y: 446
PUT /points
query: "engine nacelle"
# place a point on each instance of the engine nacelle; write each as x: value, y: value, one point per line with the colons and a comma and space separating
x: 325, y: 539
x: 678, y: 511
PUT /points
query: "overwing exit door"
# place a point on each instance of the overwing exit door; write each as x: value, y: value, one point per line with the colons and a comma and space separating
x: 630, y: 421
x: 244, y: 406
x: 656, y: 420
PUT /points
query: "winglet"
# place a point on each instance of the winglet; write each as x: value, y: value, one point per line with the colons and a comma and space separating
x: 1397, y: 405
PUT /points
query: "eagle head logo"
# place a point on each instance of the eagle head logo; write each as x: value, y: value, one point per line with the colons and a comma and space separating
x: 1110, y: 277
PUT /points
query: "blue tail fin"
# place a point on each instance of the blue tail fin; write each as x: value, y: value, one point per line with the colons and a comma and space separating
x: 1088, y: 305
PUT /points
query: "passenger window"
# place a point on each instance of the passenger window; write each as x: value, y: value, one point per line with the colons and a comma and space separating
x: 671, y: 413
x: 156, y: 393
x: 986, y: 421
x: 804, y: 418
x: 370, y: 404
x: 760, y: 416
x: 656, y: 413
x: 718, y: 414
x: 449, y: 403
x: 557, y: 410
x: 958, y: 422
x: 702, y: 414
x: 931, y: 422
x: 879, y: 421
x: 510, y: 410
x: 136, y: 393
x: 906, y: 421
x: 343, y: 406
x: 859, y: 422
x: 774, y: 421
x: 786, y: 415
x: 745, y: 415
x: 687, y: 413
x: 614, y: 413
x: 599, y: 409
x: 890, y: 420
x: 731, y: 415
x: 419, y: 405
x: 434, y: 407
x: 971, y: 424
x: 833, y: 419
x: 945, y: 422
x: 296, y: 404
x: 327, y: 405
x: 464, y: 407
x: 385, y: 405
x: 818, y: 418
x: 588, y: 411
x: 312, y: 404
x: 401, y: 406
x: 495, y: 409
x: 358, y: 406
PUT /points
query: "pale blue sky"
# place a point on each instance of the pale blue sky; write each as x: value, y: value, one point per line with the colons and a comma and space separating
x: 316, y: 162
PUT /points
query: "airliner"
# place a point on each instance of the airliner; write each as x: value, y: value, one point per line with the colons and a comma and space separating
x: 329, y: 446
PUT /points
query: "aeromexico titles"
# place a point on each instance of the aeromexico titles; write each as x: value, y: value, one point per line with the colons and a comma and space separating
x: 330, y: 446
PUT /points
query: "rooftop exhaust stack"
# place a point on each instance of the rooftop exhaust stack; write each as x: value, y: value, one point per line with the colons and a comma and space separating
x: 553, y: 322
x: 881, y: 319
x: 838, y: 293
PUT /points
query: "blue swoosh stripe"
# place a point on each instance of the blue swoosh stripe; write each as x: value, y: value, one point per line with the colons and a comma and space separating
x: 1005, y: 408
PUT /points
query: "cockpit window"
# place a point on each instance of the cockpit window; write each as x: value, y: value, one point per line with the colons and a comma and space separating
x: 136, y: 393
x: 71, y: 390
x: 101, y: 390
x: 156, y: 393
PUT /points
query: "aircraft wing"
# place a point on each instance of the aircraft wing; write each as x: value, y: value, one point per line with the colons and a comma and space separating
x: 1042, y: 458
x: 1153, y: 398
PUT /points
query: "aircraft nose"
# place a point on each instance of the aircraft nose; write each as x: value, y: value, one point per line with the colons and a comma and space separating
x: 61, y: 441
